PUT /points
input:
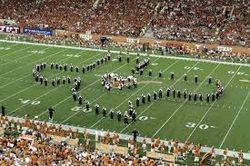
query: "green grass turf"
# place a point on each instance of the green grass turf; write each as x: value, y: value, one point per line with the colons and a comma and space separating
x: 168, y: 118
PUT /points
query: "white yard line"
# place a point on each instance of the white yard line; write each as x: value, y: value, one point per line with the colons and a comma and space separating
x: 129, y: 96
x: 184, y: 102
x: 20, y: 77
x: 21, y: 57
x: 102, y: 50
x: 11, y: 47
x: 27, y: 75
x: 67, y: 98
x: 198, y: 124
x: 163, y: 94
x: 236, y: 117
x: 11, y: 82
x: 55, y: 87
x: 126, y: 100
x: 65, y: 120
x: 12, y: 52
x: 82, y: 90
x: 32, y: 62
x: 24, y: 77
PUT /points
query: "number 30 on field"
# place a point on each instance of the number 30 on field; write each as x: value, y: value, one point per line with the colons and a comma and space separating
x: 202, y: 126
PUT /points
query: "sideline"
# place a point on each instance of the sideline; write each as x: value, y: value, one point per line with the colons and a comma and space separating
x: 131, y: 53
x: 204, y: 149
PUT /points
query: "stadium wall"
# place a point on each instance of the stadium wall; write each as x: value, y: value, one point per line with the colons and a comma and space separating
x: 188, y: 46
x: 191, y: 47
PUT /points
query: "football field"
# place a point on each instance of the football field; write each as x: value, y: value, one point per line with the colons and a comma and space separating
x: 223, y: 123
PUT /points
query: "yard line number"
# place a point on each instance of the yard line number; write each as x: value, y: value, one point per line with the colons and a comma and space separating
x: 188, y: 68
x: 73, y: 55
x: 143, y: 118
x: 202, y: 126
x: 238, y: 73
x: 78, y: 108
x: 37, y: 52
x: 28, y: 101
x: 4, y: 48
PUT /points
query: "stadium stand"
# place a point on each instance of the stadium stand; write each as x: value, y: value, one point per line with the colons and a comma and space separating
x: 213, y: 21
x: 32, y: 142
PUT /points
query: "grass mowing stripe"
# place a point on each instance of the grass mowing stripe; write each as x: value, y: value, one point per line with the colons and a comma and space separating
x: 82, y: 90
x: 184, y: 102
x: 163, y: 94
x: 236, y: 117
x: 49, y: 77
x: 198, y: 124
x: 135, y: 92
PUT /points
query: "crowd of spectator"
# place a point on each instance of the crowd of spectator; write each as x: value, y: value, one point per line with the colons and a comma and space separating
x: 30, y: 143
x: 212, y: 21
x: 114, y: 17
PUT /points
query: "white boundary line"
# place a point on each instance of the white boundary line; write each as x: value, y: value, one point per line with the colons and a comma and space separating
x: 185, y: 101
x: 102, y: 50
x: 53, y: 76
x: 198, y: 124
x: 236, y: 117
